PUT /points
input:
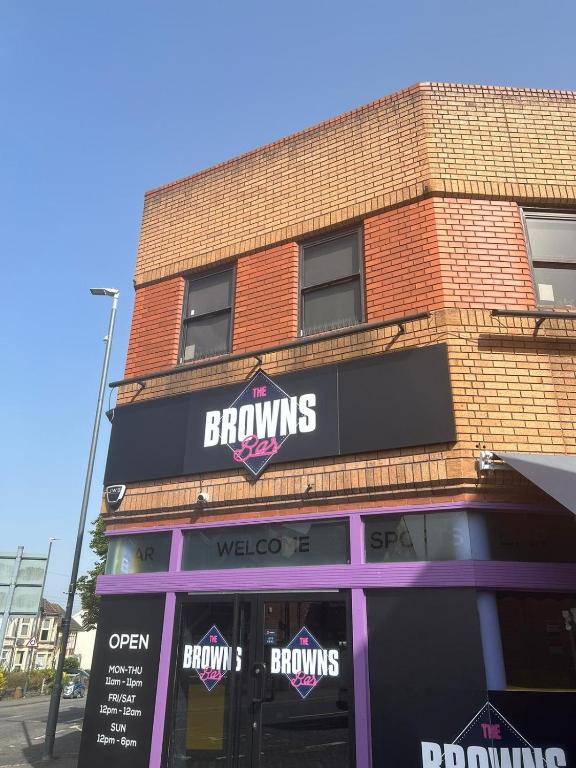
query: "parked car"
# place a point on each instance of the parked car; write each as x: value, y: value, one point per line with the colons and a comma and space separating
x: 75, y: 688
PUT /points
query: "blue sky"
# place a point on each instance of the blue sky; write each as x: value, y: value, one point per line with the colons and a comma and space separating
x: 103, y: 100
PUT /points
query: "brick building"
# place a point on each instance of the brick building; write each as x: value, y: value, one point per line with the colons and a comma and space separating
x: 346, y: 431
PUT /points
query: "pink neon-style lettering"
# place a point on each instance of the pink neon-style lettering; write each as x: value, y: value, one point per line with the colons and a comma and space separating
x: 251, y: 447
x: 210, y: 674
x: 300, y: 679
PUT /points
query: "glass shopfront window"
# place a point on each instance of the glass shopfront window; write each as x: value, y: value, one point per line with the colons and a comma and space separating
x: 527, y: 537
x: 142, y: 553
x: 538, y: 640
x: 440, y: 536
x: 264, y: 546
x: 471, y: 535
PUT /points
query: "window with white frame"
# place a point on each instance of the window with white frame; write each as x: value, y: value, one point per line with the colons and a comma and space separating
x: 331, y: 283
x: 552, y: 246
x: 25, y: 625
x: 45, y: 631
x: 207, y: 322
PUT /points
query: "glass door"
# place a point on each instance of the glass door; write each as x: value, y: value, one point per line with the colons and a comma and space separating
x: 304, y: 701
x: 262, y: 681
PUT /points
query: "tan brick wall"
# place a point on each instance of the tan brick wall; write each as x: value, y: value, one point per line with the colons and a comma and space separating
x: 460, y: 140
x: 342, y: 169
x: 266, y: 303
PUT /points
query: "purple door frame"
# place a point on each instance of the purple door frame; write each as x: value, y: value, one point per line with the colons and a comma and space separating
x: 356, y: 576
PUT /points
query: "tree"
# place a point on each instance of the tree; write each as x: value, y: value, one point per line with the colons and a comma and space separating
x: 87, y: 583
x: 71, y: 665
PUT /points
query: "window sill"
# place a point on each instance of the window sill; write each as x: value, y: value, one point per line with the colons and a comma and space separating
x: 300, y: 342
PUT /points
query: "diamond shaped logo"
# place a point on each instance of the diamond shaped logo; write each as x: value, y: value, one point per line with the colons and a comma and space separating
x: 489, y: 725
x: 303, y: 682
x: 211, y: 675
x: 253, y: 451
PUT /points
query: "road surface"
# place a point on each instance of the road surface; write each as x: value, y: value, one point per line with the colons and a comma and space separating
x: 22, y: 727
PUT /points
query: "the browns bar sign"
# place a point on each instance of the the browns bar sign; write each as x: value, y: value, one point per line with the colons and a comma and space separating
x: 259, y: 422
x: 377, y: 403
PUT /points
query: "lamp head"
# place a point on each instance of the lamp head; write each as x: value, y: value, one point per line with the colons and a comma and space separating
x: 104, y: 291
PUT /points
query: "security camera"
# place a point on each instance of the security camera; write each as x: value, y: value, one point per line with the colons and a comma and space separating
x: 203, y: 497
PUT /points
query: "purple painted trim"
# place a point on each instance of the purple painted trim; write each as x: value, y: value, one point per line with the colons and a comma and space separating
x: 483, y: 574
x: 356, y: 540
x: 176, y: 550
x: 362, y: 722
x: 328, y: 515
x: 162, y: 684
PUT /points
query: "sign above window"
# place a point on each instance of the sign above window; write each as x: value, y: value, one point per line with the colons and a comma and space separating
x: 375, y: 403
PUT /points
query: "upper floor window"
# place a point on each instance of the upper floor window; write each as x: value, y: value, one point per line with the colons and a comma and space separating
x: 25, y: 627
x: 45, y: 631
x: 552, y: 242
x: 331, y: 283
x: 208, y: 315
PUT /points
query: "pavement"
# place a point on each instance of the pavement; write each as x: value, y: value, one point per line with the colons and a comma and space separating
x: 22, y: 728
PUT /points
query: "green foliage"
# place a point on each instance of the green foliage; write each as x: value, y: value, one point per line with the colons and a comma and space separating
x: 87, y: 583
x: 15, y: 680
x: 2, y: 680
x: 71, y: 665
x: 35, y: 679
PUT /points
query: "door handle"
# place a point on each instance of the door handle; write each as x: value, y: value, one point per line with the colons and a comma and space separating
x: 260, y: 670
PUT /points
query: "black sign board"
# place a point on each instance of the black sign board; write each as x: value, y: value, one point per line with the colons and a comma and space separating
x: 378, y: 403
x: 119, y: 714
x: 429, y: 702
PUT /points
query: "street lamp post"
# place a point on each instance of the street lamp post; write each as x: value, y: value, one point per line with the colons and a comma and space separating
x: 65, y: 624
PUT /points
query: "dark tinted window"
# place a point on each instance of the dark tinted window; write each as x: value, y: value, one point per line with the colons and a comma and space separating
x: 334, y: 306
x: 260, y: 546
x: 331, y: 284
x: 539, y: 640
x: 526, y: 537
x: 463, y: 535
x: 209, y: 293
x: 330, y: 260
x: 208, y: 315
x: 207, y: 336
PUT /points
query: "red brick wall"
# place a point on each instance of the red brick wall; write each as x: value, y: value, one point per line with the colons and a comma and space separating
x: 483, y: 254
x: 402, y: 263
x: 156, y: 322
x: 446, y: 252
x: 266, y: 308
x: 438, y: 252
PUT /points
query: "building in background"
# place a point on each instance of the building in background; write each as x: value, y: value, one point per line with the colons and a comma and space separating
x: 33, y: 642
x: 84, y: 645
x: 347, y: 435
